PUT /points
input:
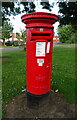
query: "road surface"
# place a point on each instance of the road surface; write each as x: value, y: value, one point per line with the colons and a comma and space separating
x: 10, y: 49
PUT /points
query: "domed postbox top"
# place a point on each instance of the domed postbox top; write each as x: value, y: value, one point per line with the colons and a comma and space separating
x: 40, y: 17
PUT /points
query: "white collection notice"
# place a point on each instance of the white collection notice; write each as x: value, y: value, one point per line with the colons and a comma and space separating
x: 40, y: 49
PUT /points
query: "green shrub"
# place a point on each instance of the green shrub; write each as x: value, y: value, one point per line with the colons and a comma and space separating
x: 73, y: 39
x: 66, y: 34
x: 16, y: 43
x: 69, y: 41
x: 22, y: 43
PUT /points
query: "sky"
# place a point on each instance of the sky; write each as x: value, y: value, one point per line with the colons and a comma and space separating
x: 18, y: 25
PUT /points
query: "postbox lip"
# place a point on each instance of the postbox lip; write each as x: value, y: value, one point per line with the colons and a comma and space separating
x: 39, y: 15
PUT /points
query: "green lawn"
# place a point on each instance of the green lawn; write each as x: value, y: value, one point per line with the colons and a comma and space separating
x: 13, y: 74
x: 63, y: 76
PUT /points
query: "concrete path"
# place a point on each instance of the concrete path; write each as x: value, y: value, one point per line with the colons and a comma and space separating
x: 10, y: 49
x: 65, y: 45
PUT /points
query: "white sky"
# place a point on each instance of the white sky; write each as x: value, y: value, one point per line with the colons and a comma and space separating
x: 18, y: 25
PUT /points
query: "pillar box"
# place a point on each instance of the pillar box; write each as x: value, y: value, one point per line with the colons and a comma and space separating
x: 39, y: 44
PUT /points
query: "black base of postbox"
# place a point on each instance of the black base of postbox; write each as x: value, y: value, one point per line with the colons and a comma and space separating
x: 36, y: 94
x: 37, y: 101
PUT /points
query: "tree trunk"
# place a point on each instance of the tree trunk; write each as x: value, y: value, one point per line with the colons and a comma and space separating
x: 4, y: 42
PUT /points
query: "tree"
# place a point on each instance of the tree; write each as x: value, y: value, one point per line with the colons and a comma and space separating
x: 23, y: 35
x: 6, y: 31
x: 28, y: 7
x: 14, y: 8
x: 7, y: 8
x: 69, y: 13
x: 18, y: 36
x: 66, y: 34
x: 46, y: 5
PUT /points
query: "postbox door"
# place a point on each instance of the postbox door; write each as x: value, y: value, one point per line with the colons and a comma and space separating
x: 39, y: 63
x: 43, y: 57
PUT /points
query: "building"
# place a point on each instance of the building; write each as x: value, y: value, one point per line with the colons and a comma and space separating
x: 56, y: 39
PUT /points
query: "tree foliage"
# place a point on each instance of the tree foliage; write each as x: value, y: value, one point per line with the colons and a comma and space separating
x: 6, y: 31
x: 69, y: 13
x: 7, y: 8
x: 28, y: 7
x: 66, y: 33
x: 14, y: 8
x: 46, y: 5
x: 18, y: 36
x: 23, y: 35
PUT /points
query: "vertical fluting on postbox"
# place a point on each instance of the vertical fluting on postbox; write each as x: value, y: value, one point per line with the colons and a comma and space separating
x: 39, y: 44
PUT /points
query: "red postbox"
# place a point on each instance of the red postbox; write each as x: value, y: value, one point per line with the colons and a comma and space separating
x: 39, y: 44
